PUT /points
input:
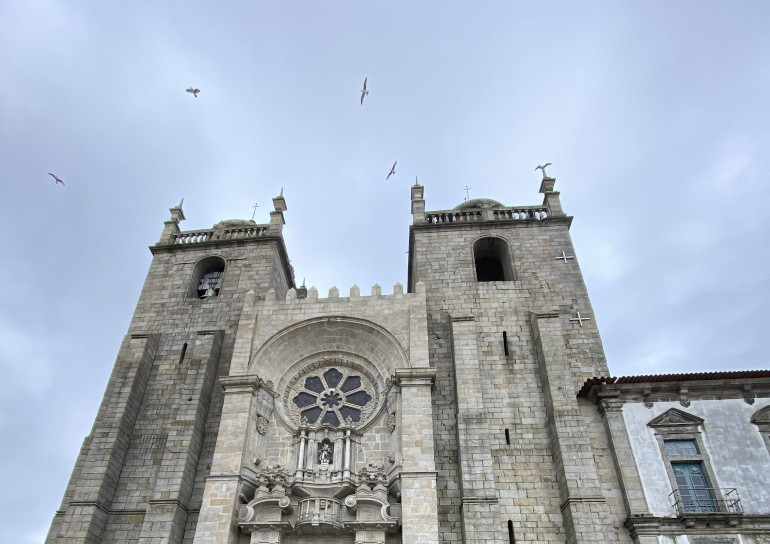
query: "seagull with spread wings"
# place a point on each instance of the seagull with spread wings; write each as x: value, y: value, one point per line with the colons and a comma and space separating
x: 57, y: 179
x: 364, y: 92
x: 194, y: 91
x: 542, y: 167
x: 392, y: 171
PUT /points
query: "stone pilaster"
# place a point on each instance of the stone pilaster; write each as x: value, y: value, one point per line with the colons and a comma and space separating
x: 623, y: 456
x: 587, y: 517
x: 86, y: 513
x: 477, y: 481
x: 217, y: 522
x: 643, y: 528
x: 166, y: 515
x: 418, y: 477
x: 244, y: 335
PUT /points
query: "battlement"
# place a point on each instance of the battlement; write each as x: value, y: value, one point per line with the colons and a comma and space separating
x: 355, y: 294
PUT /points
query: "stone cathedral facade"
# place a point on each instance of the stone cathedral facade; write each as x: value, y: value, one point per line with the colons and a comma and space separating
x: 474, y: 405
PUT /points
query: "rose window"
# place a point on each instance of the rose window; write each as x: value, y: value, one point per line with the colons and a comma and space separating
x: 332, y: 397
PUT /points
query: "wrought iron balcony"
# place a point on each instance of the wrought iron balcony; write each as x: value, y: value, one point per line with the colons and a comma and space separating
x: 706, y: 500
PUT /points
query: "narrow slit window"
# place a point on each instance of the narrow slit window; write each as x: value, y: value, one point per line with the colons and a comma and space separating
x: 507, y: 437
x: 181, y: 355
x: 505, y: 343
x: 511, y: 538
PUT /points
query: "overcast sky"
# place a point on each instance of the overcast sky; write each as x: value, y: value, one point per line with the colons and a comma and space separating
x: 655, y: 115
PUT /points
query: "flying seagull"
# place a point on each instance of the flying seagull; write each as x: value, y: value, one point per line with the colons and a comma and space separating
x: 194, y: 91
x: 57, y: 179
x: 542, y: 167
x: 364, y: 92
x: 392, y: 171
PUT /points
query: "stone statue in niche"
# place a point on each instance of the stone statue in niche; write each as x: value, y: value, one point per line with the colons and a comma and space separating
x: 325, y: 453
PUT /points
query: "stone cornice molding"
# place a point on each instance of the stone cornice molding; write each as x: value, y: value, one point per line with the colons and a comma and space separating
x: 245, y: 383
x: 649, y: 392
x: 171, y: 502
x: 611, y: 405
x: 406, y: 377
x: 426, y: 474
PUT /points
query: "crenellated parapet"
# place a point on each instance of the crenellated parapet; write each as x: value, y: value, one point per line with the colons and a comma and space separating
x: 292, y: 295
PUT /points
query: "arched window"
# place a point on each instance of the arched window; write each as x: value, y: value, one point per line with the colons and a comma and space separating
x: 492, y: 259
x: 207, y: 278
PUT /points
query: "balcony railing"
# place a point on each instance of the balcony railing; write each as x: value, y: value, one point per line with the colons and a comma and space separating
x: 319, y: 512
x: 706, y: 501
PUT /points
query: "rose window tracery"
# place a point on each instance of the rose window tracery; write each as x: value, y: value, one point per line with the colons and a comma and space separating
x: 332, y: 396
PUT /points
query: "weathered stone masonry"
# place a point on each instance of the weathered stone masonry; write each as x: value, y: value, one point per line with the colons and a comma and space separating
x: 243, y: 409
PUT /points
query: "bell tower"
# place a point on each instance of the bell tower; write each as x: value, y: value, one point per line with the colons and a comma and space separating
x: 141, y: 470
x: 512, y: 336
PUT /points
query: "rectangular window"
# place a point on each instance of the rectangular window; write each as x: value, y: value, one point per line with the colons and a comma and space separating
x: 681, y: 447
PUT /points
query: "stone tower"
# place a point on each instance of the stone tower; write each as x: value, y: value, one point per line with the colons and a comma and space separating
x: 242, y: 409
x: 512, y: 336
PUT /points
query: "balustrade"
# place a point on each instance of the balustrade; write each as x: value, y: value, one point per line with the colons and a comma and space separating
x: 193, y: 237
x: 537, y: 213
x: 196, y: 237
x: 319, y: 511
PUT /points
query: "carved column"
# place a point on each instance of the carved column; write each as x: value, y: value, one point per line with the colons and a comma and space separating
x: 348, y: 445
x: 300, y: 474
x: 337, y: 463
x: 312, y: 453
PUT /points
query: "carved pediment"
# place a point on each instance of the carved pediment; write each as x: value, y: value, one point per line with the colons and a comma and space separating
x: 674, y: 418
x: 761, y: 417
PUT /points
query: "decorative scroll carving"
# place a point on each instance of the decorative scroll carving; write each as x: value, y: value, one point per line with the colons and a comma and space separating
x: 392, y: 422
x: 262, y: 424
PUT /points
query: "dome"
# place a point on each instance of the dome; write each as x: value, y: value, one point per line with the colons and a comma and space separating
x: 478, y: 204
x: 231, y: 223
